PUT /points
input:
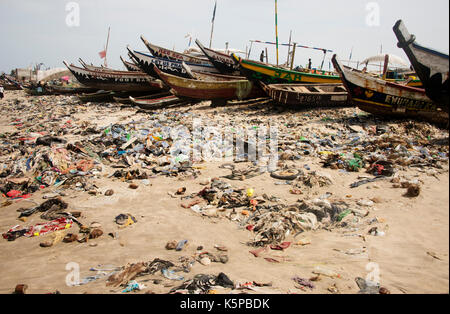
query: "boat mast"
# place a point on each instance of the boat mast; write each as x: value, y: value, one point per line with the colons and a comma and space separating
x: 293, y: 55
x: 212, y: 24
x: 276, y: 25
x: 386, y: 65
x: 289, y: 48
x: 106, y: 49
x: 381, y: 52
x: 350, y: 58
x: 323, y: 60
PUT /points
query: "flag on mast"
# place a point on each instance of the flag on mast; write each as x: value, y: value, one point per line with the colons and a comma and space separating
x: 102, y: 54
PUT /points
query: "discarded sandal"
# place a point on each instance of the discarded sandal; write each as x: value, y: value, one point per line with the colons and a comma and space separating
x: 281, y: 246
x: 70, y: 237
x: 171, y: 245
x: 96, y: 233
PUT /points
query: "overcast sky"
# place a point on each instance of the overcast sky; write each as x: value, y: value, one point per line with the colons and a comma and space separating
x: 36, y: 31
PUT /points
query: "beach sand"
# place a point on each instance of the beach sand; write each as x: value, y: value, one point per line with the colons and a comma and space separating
x: 412, y: 257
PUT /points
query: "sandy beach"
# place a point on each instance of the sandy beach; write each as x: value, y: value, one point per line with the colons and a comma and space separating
x: 410, y: 256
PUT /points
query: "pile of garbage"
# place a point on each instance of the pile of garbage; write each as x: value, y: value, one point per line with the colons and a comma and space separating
x: 356, y: 148
x: 53, y: 150
x: 127, y: 277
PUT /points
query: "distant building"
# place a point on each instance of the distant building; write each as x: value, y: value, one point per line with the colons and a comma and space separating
x: 43, y: 75
x: 23, y: 75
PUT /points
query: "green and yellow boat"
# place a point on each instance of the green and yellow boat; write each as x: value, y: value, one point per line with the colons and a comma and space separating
x: 269, y: 74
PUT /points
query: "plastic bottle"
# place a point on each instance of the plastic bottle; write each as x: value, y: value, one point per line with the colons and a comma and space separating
x: 319, y: 270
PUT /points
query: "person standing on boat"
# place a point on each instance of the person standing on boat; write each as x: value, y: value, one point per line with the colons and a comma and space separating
x: 2, y: 92
x: 261, y: 57
x: 309, y: 64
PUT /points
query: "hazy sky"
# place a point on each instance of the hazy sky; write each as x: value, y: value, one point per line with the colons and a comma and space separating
x: 36, y: 31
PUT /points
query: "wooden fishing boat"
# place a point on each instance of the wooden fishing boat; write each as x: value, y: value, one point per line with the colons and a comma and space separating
x: 9, y: 84
x: 93, y: 67
x: 37, y: 91
x: 116, y: 80
x: 223, y: 62
x: 146, y: 62
x: 269, y: 74
x: 431, y: 66
x: 130, y: 66
x: 407, y: 82
x: 48, y: 89
x: 69, y: 90
x: 207, y: 87
x: 127, y: 100
x: 384, y: 98
x: 99, y: 96
x: 173, y: 55
x: 300, y: 95
x: 153, y: 103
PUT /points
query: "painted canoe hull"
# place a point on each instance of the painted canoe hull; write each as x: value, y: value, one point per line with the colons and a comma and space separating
x: 155, y: 102
x: 173, y: 55
x: 274, y: 75
x: 306, y: 95
x: 130, y: 66
x: 389, y: 99
x: 35, y: 92
x: 116, y: 80
x: 223, y: 62
x: 93, y: 67
x: 127, y: 100
x: 146, y: 62
x: 100, y: 96
x: 9, y: 83
x: 415, y: 83
x: 11, y: 87
x: 60, y: 90
x: 211, y: 90
x: 431, y: 66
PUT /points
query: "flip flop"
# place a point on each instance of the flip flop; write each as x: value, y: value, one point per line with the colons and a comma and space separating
x: 281, y: 246
x: 180, y: 245
x: 272, y: 260
x: 70, y: 237
x: 258, y: 252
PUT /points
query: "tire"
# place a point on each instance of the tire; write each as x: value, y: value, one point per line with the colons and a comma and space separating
x: 278, y: 175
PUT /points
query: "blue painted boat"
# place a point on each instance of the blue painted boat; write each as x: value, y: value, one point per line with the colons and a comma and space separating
x: 173, y: 67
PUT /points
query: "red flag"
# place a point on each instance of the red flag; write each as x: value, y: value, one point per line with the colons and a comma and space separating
x: 102, y: 54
